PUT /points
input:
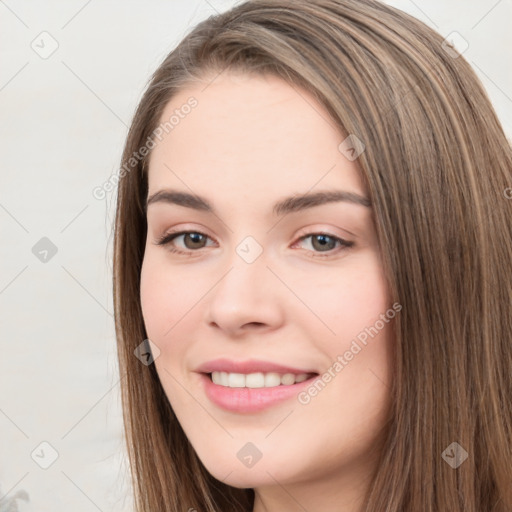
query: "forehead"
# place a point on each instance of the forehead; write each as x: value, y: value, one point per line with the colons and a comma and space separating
x: 253, y: 133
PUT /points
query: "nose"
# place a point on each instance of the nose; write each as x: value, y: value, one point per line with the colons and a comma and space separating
x: 247, y: 298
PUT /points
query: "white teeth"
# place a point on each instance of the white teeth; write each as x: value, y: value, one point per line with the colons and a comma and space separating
x: 256, y: 380
x: 272, y: 380
x: 224, y: 381
x: 288, y: 379
x: 236, y: 380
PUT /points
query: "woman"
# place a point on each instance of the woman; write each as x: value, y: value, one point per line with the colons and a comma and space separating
x: 311, y: 270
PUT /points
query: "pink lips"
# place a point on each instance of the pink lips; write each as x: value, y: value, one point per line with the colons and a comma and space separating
x: 249, y: 400
x: 250, y: 366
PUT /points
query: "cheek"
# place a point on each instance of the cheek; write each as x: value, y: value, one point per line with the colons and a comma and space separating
x: 167, y: 295
x: 356, y: 306
x: 166, y: 303
x: 350, y: 300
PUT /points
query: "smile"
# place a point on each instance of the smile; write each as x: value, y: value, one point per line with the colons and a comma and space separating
x: 257, y: 380
x: 253, y: 392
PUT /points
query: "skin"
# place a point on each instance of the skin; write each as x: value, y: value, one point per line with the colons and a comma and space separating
x: 251, y: 141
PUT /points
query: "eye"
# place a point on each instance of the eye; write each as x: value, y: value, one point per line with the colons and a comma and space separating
x: 192, y: 240
x: 325, y: 243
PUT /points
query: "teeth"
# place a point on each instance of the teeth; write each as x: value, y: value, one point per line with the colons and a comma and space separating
x: 236, y: 380
x: 288, y: 379
x: 272, y: 380
x: 301, y: 378
x: 256, y: 380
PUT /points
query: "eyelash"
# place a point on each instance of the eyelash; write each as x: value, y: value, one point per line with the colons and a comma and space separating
x: 167, y: 238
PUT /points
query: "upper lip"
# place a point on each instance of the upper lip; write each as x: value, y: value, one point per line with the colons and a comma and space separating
x: 248, y: 366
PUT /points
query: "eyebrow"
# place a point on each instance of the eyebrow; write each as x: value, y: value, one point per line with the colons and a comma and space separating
x: 290, y: 204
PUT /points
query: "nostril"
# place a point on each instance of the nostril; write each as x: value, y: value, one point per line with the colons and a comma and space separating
x: 255, y: 324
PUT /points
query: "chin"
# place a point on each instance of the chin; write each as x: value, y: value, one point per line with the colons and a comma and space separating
x: 236, y: 474
x: 243, y: 478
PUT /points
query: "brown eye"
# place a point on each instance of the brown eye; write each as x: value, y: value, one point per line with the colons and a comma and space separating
x: 196, y: 240
x: 191, y: 241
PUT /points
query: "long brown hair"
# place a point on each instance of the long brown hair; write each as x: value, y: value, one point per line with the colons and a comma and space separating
x: 437, y: 166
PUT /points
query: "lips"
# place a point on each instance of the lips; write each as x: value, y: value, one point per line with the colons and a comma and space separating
x: 237, y: 386
x: 250, y: 366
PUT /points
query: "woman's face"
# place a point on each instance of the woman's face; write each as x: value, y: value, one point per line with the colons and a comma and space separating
x: 257, y: 291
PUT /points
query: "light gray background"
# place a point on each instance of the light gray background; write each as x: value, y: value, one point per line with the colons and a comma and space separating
x: 64, y: 120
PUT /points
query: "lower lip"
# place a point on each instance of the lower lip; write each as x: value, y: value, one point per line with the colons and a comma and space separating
x: 250, y: 399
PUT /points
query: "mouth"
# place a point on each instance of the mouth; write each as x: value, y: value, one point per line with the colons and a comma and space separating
x: 257, y: 380
x: 245, y: 393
